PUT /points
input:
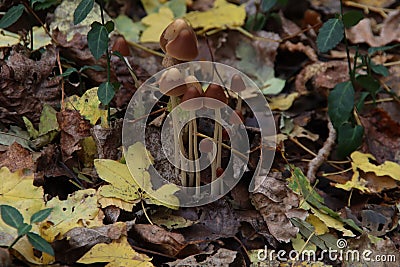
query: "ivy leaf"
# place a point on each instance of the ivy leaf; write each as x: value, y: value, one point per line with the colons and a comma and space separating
x: 41, y: 215
x: 11, y: 216
x: 82, y: 10
x: 266, y: 5
x: 110, y: 26
x: 94, y: 67
x: 330, y: 34
x: 379, y: 69
x: 370, y: 83
x: 68, y: 72
x: 24, y: 229
x: 341, y: 103
x: 349, y: 139
x: 106, y: 92
x: 97, y: 40
x: 351, y: 18
x: 12, y: 15
x: 39, y: 243
x: 373, y: 50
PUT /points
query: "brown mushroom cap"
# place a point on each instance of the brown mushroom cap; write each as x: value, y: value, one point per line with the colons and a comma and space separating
x: 121, y: 46
x: 206, y: 146
x: 237, y: 84
x: 172, y: 83
x: 191, y: 94
x: 215, y: 92
x: 192, y: 81
x: 179, y: 41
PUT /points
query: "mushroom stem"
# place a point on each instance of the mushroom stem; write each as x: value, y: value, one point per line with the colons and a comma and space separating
x: 219, y: 142
x: 196, y: 157
x: 190, y: 150
x: 174, y: 103
x: 239, y: 103
x: 214, y: 187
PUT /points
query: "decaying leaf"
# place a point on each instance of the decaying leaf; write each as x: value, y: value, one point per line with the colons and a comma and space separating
x: 118, y: 253
x: 156, y: 23
x: 155, y: 236
x: 229, y: 15
x: 362, y: 32
x: 17, y: 190
x: 88, y: 106
x: 282, y: 102
x: 277, y: 204
x: 81, y: 236
x: 169, y: 220
x: 16, y: 158
x: 222, y: 257
x: 129, y: 29
x: 79, y: 210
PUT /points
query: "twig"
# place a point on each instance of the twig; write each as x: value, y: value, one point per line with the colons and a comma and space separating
x: 145, y: 213
x: 323, y: 153
x: 148, y: 50
x: 62, y: 81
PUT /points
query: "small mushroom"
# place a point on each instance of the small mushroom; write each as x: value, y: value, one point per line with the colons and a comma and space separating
x: 193, y: 94
x: 216, y: 92
x: 179, y: 42
x: 237, y: 85
x: 172, y: 83
x: 122, y: 47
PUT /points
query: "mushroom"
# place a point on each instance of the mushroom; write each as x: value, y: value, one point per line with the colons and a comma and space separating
x: 237, y: 85
x: 172, y: 84
x: 194, y: 91
x: 179, y: 42
x: 216, y: 92
x: 206, y: 146
x: 122, y: 47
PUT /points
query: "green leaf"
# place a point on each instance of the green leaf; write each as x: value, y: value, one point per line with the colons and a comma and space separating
x: 349, y: 139
x: 370, y: 83
x: 379, y: 69
x: 109, y: 26
x: 97, y: 40
x: 44, y: 4
x: 106, y: 92
x: 24, y: 229
x: 41, y: 215
x: 373, y: 50
x: 361, y: 100
x: 68, y: 72
x: 12, y: 15
x: 11, y: 216
x: 94, y: 67
x: 341, y: 103
x: 351, y: 18
x: 330, y: 34
x: 255, y: 22
x: 266, y: 5
x: 82, y: 10
x: 40, y: 244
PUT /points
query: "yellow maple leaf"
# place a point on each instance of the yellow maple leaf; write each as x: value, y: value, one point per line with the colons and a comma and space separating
x: 360, y: 161
x: 88, y: 106
x: 17, y: 190
x: 156, y: 23
x: 80, y: 209
x: 223, y: 15
x: 124, y: 182
x: 118, y: 253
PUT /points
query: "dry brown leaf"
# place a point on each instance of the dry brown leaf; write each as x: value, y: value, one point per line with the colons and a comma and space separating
x: 362, y: 32
x: 16, y: 158
x: 300, y: 47
x: 324, y: 75
x: 73, y: 129
x: 156, y: 237
x: 277, y: 204
x: 222, y: 257
x: 82, y: 236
